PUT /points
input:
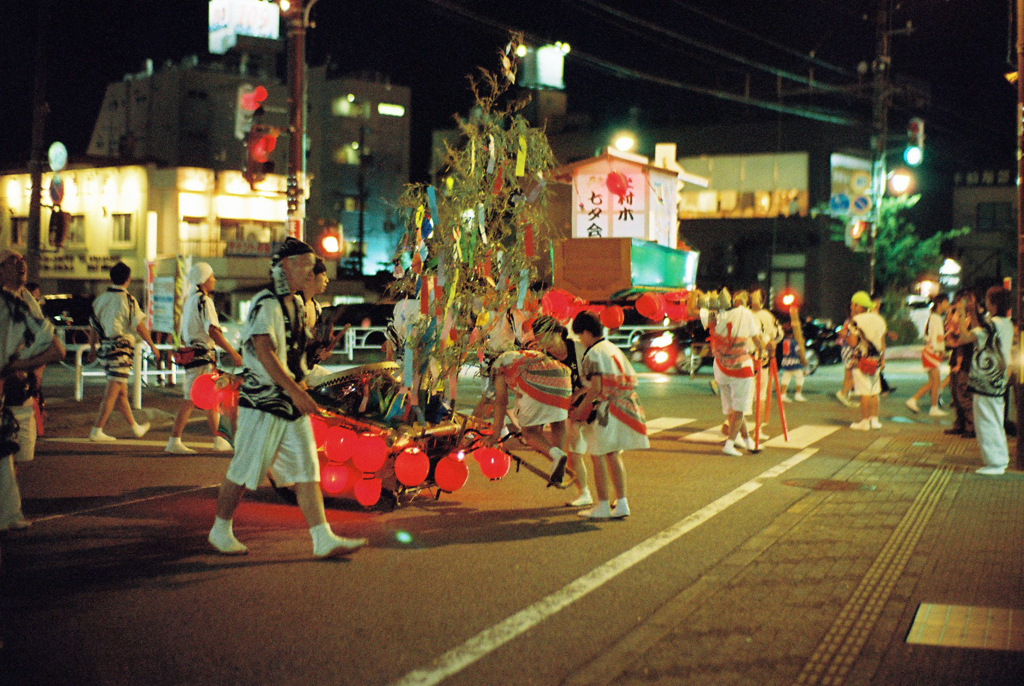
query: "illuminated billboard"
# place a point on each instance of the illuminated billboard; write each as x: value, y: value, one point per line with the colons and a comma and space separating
x: 232, y: 18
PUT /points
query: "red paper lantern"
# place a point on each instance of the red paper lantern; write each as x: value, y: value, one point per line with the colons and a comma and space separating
x: 412, y: 466
x: 340, y: 444
x: 617, y: 183
x: 204, y: 392
x: 613, y: 317
x: 369, y: 454
x: 676, y: 313
x: 450, y: 474
x: 335, y: 478
x: 319, y: 430
x: 650, y: 305
x: 556, y: 304
x: 494, y: 463
x: 227, y: 397
x: 367, y: 491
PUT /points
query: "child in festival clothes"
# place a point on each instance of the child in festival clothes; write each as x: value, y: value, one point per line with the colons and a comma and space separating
x: 542, y: 388
x: 792, y: 365
x: 611, y: 410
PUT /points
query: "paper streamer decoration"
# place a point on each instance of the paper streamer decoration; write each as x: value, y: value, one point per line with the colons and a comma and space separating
x: 418, y: 219
x: 432, y: 200
x: 499, y: 179
x: 534, y: 193
x: 491, y: 158
x: 480, y: 222
x: 407, y: 367
x: 524, y: 287
x: 442, y: 278
x: 457, y: 235
x: 453, y: 379
x: 528, y: 240
x: 424, y: 296
x: 472, y: 157
x: 521, y: 157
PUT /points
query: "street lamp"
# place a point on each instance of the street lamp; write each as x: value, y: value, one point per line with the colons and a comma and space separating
x: 624, y: 141
x: 900, y: 181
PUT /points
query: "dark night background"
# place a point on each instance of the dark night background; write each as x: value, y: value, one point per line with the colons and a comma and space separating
x: 958, y: 49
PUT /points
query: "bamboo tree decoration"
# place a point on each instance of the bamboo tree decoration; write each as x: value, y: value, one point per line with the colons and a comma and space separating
x: 466, y: 252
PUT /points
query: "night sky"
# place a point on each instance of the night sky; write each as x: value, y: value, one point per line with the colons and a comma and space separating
x: 958, y: 50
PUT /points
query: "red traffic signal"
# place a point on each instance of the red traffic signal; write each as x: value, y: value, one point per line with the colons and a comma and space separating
x: 260, y: 142
x: 253, y: 100
x: 331, y: 244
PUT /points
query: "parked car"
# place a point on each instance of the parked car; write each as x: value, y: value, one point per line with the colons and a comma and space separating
x: 686, y: 349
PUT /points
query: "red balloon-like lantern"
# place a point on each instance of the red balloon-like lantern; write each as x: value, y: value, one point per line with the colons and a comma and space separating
x: 227, y: 397
x: 335, y: 478
x: 451, y: 473
x: 494, y: 463
x: 319, y: 430
x: 204, y: 392
x: 340, y: 444
x: 367, y: 491
x: 556, y: 304
x: 370, y: 453
x: 650, y: 305
x: 617, y: 183
x: 675, y: 312
x: 412, y: 466
x: 613, y: 317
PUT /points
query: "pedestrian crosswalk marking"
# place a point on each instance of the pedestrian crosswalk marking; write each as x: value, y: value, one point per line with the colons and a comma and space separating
x: 134, y: 442
x: 660, y: 424
x: 801, y: 437
x: 712, y: 435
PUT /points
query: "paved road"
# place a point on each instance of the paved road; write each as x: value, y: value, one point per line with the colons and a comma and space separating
x: 731, y: 570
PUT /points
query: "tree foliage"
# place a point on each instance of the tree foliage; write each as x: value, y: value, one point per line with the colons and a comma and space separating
x: 903, y: 251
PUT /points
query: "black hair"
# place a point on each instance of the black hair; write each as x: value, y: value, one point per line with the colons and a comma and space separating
x: 589, y: 322
x: 319, y: 267
x: 120, y: 273
x: 31, y: 286
x: 939, y: 299
x: 1002, y: 300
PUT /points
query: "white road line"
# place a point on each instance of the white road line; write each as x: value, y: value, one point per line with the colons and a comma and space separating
x: 801, y: 437
x: 488, y: 640
x: 122, y: 503
x: 660, y: 424
x: 142, y: 442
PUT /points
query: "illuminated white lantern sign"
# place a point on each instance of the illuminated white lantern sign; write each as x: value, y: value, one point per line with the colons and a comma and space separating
x: 232, y: 18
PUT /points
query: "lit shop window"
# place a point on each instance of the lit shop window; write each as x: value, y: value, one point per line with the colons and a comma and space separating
x: 19, y: 230
x: 389, y: 110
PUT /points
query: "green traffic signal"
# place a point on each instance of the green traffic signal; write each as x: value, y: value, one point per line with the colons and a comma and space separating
x: 913, y: 154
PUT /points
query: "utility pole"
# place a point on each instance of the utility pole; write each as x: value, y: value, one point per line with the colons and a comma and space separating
x: 1019, y: 385
x: 297, y: 14
x: 880, y: 127
x: 40, y: 109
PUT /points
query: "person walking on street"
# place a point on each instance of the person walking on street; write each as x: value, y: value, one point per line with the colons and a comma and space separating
x: 987, y: 380
x: 792, y: 364
x: 732, y: 329
x: 117, y: 319
x: 847, y: 354
x: 26, y: 343
x: 200, y: 330
x: 612, y: 413
x: 960, y: 363
x: 274, y: 429
x: 553, y: 338
x: 320, y: 330
x: 932, y: 356
x: 867, y: 338
x: 771, y: 336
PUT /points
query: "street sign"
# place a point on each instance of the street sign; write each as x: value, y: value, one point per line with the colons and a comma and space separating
x: 861, y: 205
x: 860, y: 181
x: 839, y: 203
x: 58, y: 156
x: 57, y: 189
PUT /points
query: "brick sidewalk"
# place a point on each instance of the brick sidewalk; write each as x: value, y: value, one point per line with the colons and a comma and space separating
x: 827, y: 593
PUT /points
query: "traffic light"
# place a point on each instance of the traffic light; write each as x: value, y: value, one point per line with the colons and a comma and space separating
x: 259, y: 143
x: 248, y: 106
x: 914, y: 152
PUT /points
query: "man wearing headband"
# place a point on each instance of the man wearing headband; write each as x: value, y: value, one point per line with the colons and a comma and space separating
x: 27, y: 341
x: 322, y: 336
x: 274, y: 430
x: 116, y: 319
x: 200, y: 330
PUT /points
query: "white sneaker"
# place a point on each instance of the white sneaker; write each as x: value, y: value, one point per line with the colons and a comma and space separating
x: 621, y: 510
x: 799, y: 397
x: 324, y: 549
x: 785, y: 398
x: 584, y: 500
x: 912, y: 405
x: 176, y: 447
x: 749, y: 441
x: 936, y: 412
x: 98, y: 436
x: 844, y: 399
x: 226, y: 543
x: 862, y: 425
x: 221, y: 444
x: 140, y: 429
x: 729, y: 449
x: 991, y: 471
x: 875, y: 423
x: 601, y: 511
